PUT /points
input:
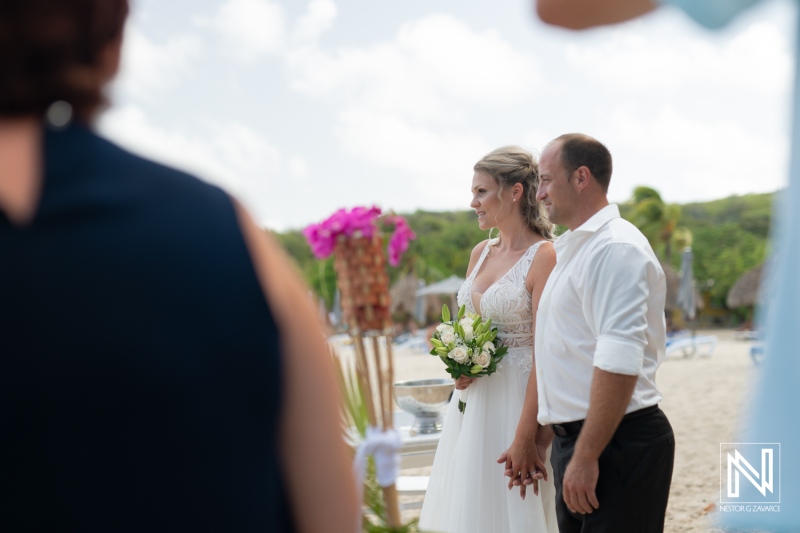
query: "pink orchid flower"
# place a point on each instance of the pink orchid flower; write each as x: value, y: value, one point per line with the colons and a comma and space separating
x: 357, y: 222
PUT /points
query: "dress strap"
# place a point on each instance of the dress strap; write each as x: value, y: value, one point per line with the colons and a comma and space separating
x: 484, y: 253
x: 534, y: 247
x: 525, y: 263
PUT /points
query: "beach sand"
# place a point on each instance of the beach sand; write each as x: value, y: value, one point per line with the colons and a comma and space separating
x: 704, y: 398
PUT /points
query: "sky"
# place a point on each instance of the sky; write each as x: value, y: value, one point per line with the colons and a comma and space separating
x: 298, y: 108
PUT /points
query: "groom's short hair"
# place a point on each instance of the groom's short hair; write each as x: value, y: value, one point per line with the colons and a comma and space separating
x: 579, y: 150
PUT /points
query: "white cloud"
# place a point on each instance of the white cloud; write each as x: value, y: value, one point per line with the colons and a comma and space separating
x: 298, y: 167
x: 644, y: 57
x: 251, y: 29
x: 437, y: 164
x: 689, y: 159
x: 230, y: 154
x: 432, y: 69
x: 150, y: 68
x: 267, y: 98
x: 759, y: 58
x: 406, y: 103
x: 319, y: 17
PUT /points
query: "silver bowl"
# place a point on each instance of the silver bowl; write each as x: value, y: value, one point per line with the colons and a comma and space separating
x: 426, y: 399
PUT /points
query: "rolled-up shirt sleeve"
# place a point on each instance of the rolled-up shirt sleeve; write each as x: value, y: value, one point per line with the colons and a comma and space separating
x: 616, y: 297
x: 712, y: 13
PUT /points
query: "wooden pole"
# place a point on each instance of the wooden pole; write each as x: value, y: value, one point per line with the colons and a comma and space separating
x: 390, y: 495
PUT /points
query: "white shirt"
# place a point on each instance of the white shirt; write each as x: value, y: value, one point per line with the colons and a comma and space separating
x: 602, y: 306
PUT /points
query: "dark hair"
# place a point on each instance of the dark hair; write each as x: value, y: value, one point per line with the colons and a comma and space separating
x: 510, y: 165
x: 579, y: 150
x: 52, y: 50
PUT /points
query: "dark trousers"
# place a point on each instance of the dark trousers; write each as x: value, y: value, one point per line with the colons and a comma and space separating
x: 635, y: 475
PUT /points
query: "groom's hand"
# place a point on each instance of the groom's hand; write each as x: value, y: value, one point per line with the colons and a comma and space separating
x: 580, y: 481
x: 523, y: 464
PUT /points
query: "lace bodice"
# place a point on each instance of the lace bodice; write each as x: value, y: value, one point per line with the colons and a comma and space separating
x: 508, y: 303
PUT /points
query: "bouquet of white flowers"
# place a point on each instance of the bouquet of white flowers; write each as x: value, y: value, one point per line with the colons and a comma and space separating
x: 468, y: 346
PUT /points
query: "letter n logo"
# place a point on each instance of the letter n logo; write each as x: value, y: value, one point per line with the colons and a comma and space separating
x: 750, y: 472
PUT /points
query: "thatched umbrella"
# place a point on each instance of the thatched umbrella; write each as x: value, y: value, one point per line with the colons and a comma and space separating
x: 447, y: 287
x: 450, y: 285
x: 404, y: 294
x: 745, y: 292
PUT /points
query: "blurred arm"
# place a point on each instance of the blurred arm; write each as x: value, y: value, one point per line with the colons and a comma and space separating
x: 582, y: 14
x: 319, y: 476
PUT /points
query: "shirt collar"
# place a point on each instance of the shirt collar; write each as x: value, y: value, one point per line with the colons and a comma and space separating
x: 597, y: 221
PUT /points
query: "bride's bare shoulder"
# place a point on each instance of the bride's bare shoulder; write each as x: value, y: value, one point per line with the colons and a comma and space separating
x: 543, y: 263
x: 476, y: 254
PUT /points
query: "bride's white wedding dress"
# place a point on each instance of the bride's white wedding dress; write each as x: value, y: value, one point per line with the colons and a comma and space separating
x: 467, y: 491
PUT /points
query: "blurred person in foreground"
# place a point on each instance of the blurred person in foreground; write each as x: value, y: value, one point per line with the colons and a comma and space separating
x: 161, y: 367
x: 777, y: 400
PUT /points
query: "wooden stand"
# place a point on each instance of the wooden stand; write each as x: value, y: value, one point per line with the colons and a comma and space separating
x: 364, y: 286
x: 375, y: 371
x: 363, y: 282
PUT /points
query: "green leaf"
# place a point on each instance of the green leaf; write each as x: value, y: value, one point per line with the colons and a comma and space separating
x: 445, y: 313
x: 461, y: 311
x: 458, y: 329
x: 462, y: 406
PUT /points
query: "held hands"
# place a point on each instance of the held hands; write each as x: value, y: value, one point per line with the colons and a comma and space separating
x: 463, y: 382
x: 580, y: 481
x: 524, y: 461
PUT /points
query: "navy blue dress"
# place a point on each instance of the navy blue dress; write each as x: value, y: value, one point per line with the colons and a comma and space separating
x: 139, y: 361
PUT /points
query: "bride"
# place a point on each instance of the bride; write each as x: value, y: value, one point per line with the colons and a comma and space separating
x: 467, y: 491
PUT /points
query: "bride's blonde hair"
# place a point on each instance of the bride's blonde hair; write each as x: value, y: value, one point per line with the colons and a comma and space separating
x: 510, y: 165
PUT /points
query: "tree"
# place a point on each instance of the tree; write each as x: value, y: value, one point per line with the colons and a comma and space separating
x: 658, y: 221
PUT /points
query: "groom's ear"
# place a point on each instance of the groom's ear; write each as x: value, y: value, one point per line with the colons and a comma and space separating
x: 582, y: 177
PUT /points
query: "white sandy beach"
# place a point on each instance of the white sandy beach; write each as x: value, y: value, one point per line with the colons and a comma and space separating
x: 703, y: 398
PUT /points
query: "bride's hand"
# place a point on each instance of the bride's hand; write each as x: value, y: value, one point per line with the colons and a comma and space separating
x: 524, y: 462
x: 464, y: 382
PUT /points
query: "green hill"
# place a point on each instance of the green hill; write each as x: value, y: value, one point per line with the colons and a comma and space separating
x: 729, y: 237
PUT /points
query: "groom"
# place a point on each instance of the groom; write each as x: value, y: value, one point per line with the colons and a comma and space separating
x: 600, y: 336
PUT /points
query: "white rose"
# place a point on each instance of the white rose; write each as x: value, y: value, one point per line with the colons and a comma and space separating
x: 441, y: 327
x: 447, y: 335
x: 488, y: 346
x: 468, y: 333
x: 483, y: 359
x: 466, y: 321
x: 459, y: 354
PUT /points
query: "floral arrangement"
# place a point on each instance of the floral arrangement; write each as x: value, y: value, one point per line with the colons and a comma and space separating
x: 468, y: 346
x: 358, y: 222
